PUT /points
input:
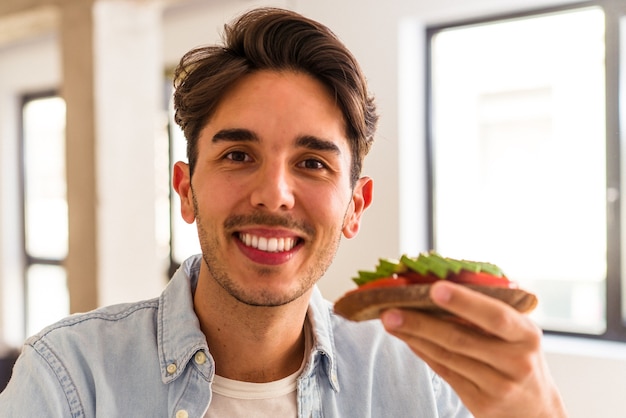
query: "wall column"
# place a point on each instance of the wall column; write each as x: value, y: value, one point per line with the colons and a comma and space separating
x: 78, y: 91
x: 130, y: 122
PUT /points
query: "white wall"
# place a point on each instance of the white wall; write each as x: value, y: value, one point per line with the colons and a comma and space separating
x: 387, y: 39
x: 590, y: 374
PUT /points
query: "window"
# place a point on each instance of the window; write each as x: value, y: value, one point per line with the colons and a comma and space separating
x: 45, y: 224
x: 520, y: 122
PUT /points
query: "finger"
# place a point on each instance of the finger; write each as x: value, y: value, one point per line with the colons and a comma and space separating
x: 458, y: 369
x: 454, y: 342
x: 473, y: 392
x: 490, y: 314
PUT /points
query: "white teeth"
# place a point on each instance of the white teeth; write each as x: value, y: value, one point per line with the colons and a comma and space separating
x: 271, y: 245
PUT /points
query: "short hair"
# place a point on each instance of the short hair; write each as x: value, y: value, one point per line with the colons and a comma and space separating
x: 274, y: 39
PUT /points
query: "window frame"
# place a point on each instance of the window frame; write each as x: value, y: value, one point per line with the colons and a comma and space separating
x: 615, y: 15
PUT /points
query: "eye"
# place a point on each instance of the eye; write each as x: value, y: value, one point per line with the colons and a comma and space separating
x: 312, y: 164
x: 238, y: 156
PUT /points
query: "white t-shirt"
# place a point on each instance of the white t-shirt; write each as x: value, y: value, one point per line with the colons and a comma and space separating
x: 233, y: 398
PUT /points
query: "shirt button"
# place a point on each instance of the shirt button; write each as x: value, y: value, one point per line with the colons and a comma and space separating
x: 182, y: 414
x: 171, y: 369
x: 200, y: 357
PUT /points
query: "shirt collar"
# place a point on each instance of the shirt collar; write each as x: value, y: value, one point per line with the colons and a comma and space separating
x: 179, y: 334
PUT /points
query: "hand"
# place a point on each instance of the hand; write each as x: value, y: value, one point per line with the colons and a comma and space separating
x: 494, y: 362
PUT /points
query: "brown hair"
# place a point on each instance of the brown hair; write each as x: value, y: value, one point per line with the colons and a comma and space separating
x: 273, y: 39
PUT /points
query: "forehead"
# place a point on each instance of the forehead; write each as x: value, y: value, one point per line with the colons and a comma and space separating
x: 280, y: 102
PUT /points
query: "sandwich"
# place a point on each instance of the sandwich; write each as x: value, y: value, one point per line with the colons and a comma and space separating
x: 405, y: 283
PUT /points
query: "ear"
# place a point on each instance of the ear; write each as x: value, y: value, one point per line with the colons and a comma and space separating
x: 361, y: 199
x: 182, y: 184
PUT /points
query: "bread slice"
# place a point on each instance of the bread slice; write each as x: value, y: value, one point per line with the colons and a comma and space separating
x: 368, y: 304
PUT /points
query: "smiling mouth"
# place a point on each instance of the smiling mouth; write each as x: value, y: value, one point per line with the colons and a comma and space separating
x: 271, y: 245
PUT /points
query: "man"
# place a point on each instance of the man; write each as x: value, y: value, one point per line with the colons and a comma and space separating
x: 278, y: 121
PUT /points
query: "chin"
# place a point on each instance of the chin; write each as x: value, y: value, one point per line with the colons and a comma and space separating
x: 269, y: 299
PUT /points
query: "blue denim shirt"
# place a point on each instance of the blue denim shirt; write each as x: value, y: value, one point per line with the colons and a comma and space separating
x: 150, y: 359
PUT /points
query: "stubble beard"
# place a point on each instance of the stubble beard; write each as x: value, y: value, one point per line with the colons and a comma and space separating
x: 218, y: 270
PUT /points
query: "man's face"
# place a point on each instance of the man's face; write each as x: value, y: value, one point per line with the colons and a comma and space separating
x: 271, y: 191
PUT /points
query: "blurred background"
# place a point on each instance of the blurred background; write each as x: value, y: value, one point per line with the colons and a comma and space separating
x: 499, y: 141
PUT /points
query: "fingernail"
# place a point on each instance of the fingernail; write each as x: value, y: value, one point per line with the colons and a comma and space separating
x: 441, y: 294
x: 392, y: 319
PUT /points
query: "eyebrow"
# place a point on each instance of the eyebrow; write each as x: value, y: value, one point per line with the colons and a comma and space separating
x: 305, y: 141
x: 319, y: 144
x: 243, y: 135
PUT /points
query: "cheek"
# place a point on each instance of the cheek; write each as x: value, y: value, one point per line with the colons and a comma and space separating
x: 208, y: 197
x: 220, y: 200
x: 334, y: 208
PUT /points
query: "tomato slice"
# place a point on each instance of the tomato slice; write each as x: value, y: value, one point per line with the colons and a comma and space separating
x: 463, y: 277
x: 385, y: 282
x: 481, y: 278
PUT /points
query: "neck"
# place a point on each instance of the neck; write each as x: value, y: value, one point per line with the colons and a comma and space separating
x: 250, y: 343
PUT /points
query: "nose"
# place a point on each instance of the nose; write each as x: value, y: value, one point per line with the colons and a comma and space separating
x: 273, y: 188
